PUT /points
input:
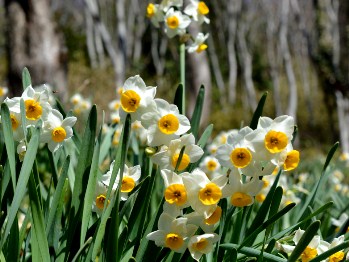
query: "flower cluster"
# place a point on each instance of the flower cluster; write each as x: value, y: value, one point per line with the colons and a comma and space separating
x: 232, y: 170
x: 55, y: 129
x: 315, y: 247
x: 176, y: 20
x: 130, y: 178
x: 81, y: 105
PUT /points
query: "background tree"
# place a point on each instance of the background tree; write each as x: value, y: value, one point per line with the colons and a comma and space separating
x: 33, y: 42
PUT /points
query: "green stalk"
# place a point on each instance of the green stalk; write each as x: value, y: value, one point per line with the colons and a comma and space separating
x: 182, y: 71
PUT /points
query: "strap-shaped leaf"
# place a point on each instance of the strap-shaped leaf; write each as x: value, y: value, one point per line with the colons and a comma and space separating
x: 310, y: 199
x: 251, y: 252
x: 57, y: 195
x: 90, y: 190
x: 195, y: 120
x: 22, y: 183
x: 178, y: 99
x: 9, y: 142
x: 38, y: 219
x: 118, y: 166
x: 26, y: 79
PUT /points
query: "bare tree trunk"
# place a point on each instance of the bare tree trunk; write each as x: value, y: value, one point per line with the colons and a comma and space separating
x: 233, y: 8
x: 34, y: 43
x: 246, y: 65
x: 122, y: 37
x: 117, y: 63
x: 273, y: 54
x: 139, y: 30
x: 343, y: 119
x: 292, y: 96
x: 90, y: 39
x: 301, y: 47
x: 216, y: 68
x: 158, y: 51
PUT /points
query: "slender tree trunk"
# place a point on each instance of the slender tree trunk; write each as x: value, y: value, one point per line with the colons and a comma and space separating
x: 245, y: 59
x: 33, y: 42
x: 273, y: 54
x: 292, y: 96
x: 233, y: 8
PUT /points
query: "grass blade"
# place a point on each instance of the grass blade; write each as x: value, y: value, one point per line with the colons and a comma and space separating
x: 38, y: 219
x: 178, y: 99
x: 57, y: 195
x: 195, y: 120
x: 251, y: 252
x: 9, y: 142
x: 310, y: 199
x: 22, y: 183
x: 90, y: 190
x: 26, y: 79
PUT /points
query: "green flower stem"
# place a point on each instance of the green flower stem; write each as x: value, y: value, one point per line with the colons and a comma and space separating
x: 182, y: 72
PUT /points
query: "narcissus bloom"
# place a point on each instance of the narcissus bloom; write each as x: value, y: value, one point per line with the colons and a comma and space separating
x: 175, y: 191
x: 211, y: 166
x: 199, y: 44
x: 172, y: 233
x: 203, y: 194
x: 237, y: 152
x: 155, y: 14
x: 242, y: 194
x: 271, y: 136
x: 199, y: 245
x: 164, y: 124
x: 311, y: 251
x: 136, y: 98
x: 206, y: 224
x: 36, y: 105
x: 198, y: 11
x: 175, y: 23
x: 100, y: 198
x: 56, y: 130
x: 168, y: 156
x: 130, y: 178
x: 15, y: 116
x: 3, y: 91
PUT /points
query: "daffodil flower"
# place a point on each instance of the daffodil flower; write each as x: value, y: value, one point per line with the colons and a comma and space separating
x: 237, y: 152
x: 211, y: 166
x: 36, y: 105
x: 172, y: 233
x: 271, y: 136
x: 203, y: 194
x: 136, y: 98
x: 199, y: 245
x: 57, y: 130
x: 199, y: 44
x: 164, y: 124
x: 3, y: 91
x: 206, y: 224
x: 168, y: 156
x: 313, y: 249
x: 130, y: 178
x: 175, y: 191
x: 175, y: 23
x: 242, y: 194
x: 198, y: 11
x: 16, y: 119
x: 100, y: 198
x: 155, y: 14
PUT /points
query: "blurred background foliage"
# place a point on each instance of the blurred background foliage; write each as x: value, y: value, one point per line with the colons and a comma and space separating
x: 296, y: 50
